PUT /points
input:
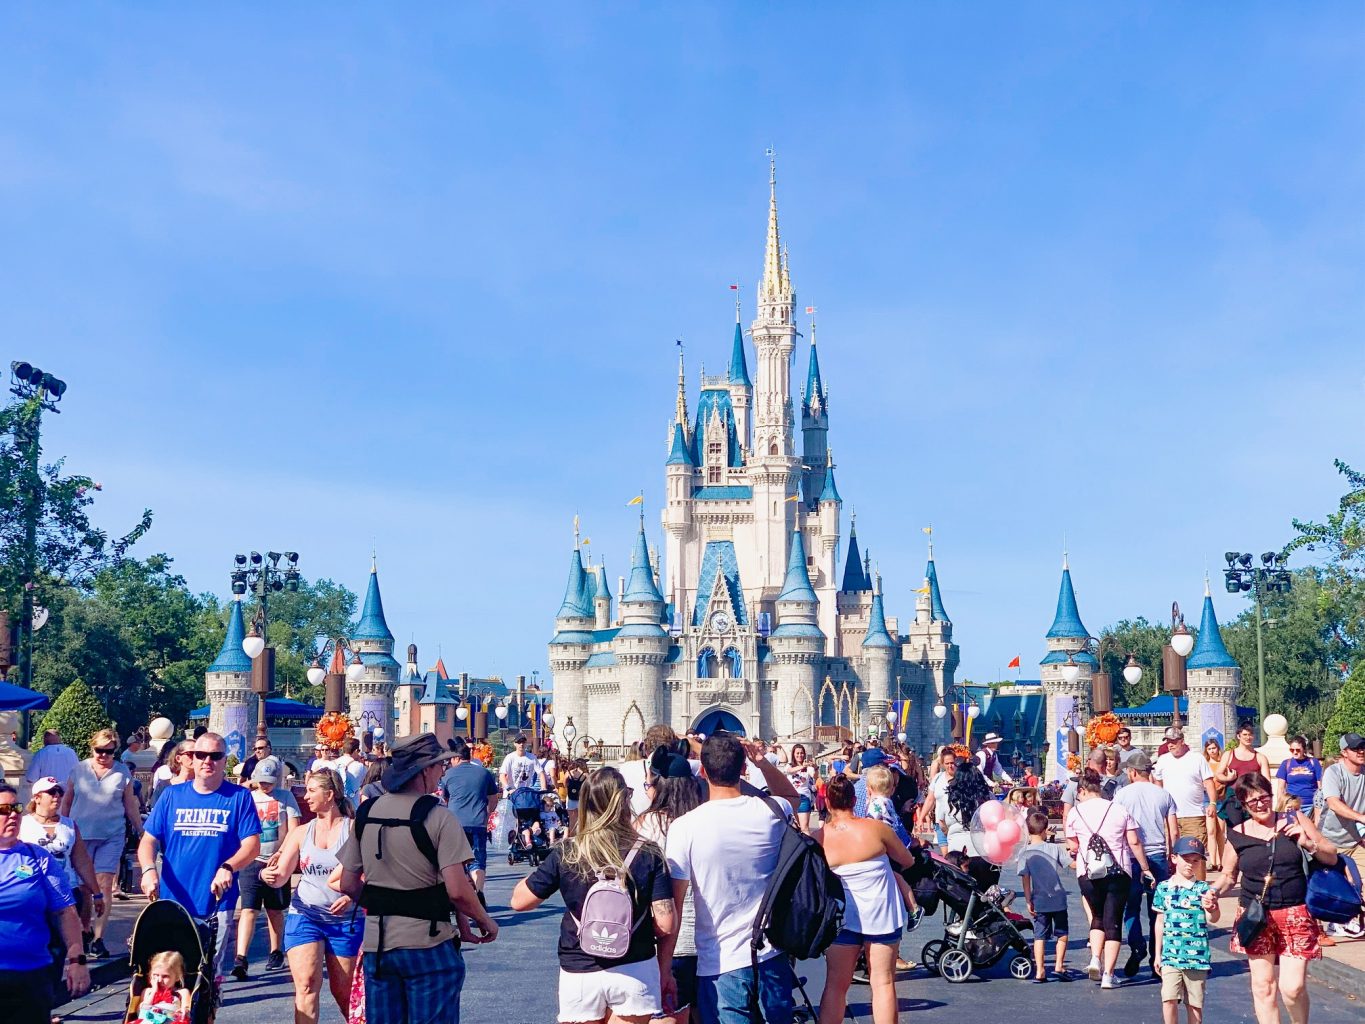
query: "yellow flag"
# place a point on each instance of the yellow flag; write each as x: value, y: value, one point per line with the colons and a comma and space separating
x: 795, y: 497
x: 927, y: 529
x: 922, y: 590
x: 639, y: 499
x: 587, y: 540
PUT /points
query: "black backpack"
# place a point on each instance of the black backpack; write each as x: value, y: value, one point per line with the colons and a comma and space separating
x: 431, y: 903
x: 803, y: 905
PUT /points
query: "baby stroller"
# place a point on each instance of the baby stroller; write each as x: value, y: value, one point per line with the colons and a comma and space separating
x: 164, y: 926
x: 979, y: 929
x: 525, y: 803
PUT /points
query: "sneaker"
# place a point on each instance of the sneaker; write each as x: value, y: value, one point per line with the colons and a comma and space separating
x: 1094, y: 969
x: 275, y: 961
x: 860, y: 976
x: 99, y: 950
x: 1354, y: 930
x: 1133, y: 964
x: 916, y: 916
x: 239, y: 968
x: 1325, y: 938
x: 1109, y: 981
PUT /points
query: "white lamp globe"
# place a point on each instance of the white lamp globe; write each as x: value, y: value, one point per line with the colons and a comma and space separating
x: 901, y: 736
x: 973, y: 710
x: 253, y: 646
x: 549, y: 719
x: 501, y: 712
x: 1132, y: 675
x: 891, y: 717
x: 316, y: 675
x: 939, y: 711
x: 1182, y: 643
x: 354, y: 671
x: 569, y: 733
x: 462, y: 712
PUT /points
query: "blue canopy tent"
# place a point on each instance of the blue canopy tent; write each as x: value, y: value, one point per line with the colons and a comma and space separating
x: 275, y: 708
x: 19, y: 698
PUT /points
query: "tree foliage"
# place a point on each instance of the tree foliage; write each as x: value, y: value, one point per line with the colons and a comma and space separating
x: 1144, y: 639
x: 77, y: 714
x: 299, y: 623
x: 1348, y: 713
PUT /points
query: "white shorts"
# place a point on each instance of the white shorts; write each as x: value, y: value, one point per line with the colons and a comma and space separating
x: 631, y: 990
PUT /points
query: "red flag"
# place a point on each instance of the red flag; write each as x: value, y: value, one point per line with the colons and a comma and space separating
x: 810, y: 310
x: 734, y: 287
x: 1014, y: 663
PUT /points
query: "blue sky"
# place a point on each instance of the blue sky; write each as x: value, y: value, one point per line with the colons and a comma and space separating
x: 322, y: 277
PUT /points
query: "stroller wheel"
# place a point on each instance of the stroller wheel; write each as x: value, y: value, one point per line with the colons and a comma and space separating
x: 931, y: 953
x: 511, y: 856
x: 1021, y: 967
x: 955, y: 965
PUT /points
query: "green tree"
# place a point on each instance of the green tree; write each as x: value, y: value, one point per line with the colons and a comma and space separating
x: 77, y: 714
x: 300, y: 622
x: 1341, y: 539
x: 1349, y: 712
x: 1145, y: 640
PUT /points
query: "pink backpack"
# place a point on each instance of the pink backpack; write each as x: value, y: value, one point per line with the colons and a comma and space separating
x: 608, y: 913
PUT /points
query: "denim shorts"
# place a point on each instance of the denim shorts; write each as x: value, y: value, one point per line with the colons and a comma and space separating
x: 341, y: 937
x: 1051, y: 924
x: 478, y: 842
x: 849, y: 938
x: 804, y: 806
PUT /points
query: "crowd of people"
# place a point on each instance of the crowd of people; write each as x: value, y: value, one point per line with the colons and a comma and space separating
x: 662, y: 863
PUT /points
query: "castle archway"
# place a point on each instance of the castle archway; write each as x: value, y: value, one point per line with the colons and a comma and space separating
x: 716, y: 720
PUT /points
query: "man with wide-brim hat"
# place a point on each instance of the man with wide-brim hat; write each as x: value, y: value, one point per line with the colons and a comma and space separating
x: 414, y: 970
x: 988, y: 760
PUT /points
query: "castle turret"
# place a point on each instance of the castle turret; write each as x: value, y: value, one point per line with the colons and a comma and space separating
x: 932, y: 654
x: 1067, y: 702
x: 855, y: 578
x: 601, y: 600
x: 641, y: 644
x: 571, y: 646
x: 741, y: 387
x: 814, y: 427
x: 227, y: 684
x: 680, y: 472
x: 1212, y: 680
x: 827, y: 553
x: 879, y: 650
x: 408, y: 697
x: 797, y: 644
x: 371, y: 698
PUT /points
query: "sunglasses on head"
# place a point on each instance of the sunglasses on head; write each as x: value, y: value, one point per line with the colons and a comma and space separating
x: 208, y: 755
x: 108, y: 751
x: 10, y: 809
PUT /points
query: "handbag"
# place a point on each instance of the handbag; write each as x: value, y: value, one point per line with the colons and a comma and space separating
x: 1333, y: 890
x: 1253, y: 917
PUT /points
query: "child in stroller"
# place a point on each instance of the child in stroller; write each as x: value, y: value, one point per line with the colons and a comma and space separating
x: 979, y: 928
x: 551, y: 824
x: 527, y: 840
x: 167, y: 1000
x: 173, y: 980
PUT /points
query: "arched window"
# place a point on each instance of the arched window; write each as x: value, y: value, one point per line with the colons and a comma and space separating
x: 706, y: 664
x: 734, y: 663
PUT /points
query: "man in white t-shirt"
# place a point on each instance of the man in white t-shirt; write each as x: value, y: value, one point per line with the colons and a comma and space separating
x: 1183, y: 772
x: 725, y: 850
x: 520, y: 769
x: 351, y: 769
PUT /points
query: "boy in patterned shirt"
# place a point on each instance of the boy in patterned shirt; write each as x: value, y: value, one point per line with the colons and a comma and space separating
x: 1185, y: 906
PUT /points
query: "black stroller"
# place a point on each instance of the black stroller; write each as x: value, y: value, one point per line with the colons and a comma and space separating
x: 166, y: 926
x: 979, y: 929
x: 525, y: 803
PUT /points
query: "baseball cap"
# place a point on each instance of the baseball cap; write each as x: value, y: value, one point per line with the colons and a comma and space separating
x: 1188, y: 846
x: 1175, y: 733
x: 1138, y: 762
x: 46, y: 785
x: 871, y: 757
x: 267, y: 770
x: 1352, y: 741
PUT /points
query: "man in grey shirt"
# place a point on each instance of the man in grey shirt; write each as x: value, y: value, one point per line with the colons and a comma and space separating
x: 1153, y: 809
x: 1343, y: 796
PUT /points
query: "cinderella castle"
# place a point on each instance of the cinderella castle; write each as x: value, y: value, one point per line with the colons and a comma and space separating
x: 763, y: 620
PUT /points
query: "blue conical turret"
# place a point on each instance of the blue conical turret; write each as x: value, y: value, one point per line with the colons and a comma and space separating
x: 877, y: 633
x: 574, y: 606
x: 641, y: 586
x: 372, y: 625
x: 814, y: 397
x: 680, y: 454
x: 829, y: 492
x: 1067, y: 622
x: 796, y: 586
x: 231, y: 657
x: 1209, y: 651
x: 855, y: 579
x: 739, y: 368
x: 936, y: 612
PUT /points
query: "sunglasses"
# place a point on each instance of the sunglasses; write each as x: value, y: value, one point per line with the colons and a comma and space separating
x: 1257, y: 801
x: 106, y: 751
x: 208, y: 755
x: 52, y: 792
x: 9, y: 810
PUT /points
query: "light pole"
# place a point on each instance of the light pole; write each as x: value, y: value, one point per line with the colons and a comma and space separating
x: 1271, y: 575
x: 263, y: 577
x: 42, y: 391
x: 962, y: 728
x: 350, y: 672
x: 1182, y: 643
x: 1101, y: 687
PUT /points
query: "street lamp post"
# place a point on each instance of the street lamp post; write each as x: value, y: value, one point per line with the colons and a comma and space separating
x: 263, y: 577
x: 1101, y: 686
x: 351, y: 672
x: 1173, y: 660
x: 1271, y: 575
x: 43, y: 391
x: 970, y: 710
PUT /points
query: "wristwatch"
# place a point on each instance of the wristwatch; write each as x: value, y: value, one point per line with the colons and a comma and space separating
x: 225, y: 866
x: 73, y: 960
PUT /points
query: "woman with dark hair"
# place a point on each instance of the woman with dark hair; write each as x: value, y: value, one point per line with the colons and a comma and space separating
x: 1094, y: 825
x: 674, y: 791
x: 800, y: 771
x: 1237, y: 761
x: 861, y: 851
x: 967, y: 790
x: 1266, y: 852
x: 634, y: 986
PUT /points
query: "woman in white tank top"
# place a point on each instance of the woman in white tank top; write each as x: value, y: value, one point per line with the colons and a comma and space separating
x: 321, y: 923
x: 864, y: 853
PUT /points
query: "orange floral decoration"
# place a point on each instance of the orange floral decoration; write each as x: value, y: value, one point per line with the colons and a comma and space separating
x: 335, y: 728
x: 1102, y: 730
x: 1073, y: 763
x: 959, y: 750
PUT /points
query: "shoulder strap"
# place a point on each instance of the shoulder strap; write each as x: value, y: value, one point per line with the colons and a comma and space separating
x: 362, y: 815
x: 417, y: 822
x: 630, y: 857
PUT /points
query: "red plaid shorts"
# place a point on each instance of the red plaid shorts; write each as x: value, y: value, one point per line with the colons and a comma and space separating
x: 1288, y: 931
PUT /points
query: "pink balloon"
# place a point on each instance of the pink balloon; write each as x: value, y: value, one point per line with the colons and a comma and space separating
x: 992, y: 812
x: 990, y: 848
x: 1008, y: 832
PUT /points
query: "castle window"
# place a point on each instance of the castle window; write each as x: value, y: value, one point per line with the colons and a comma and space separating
x: 713, y: 475
x: 713, y: 451
x: 441, y: 714
x: 734, y: 663
x: 706, y: 664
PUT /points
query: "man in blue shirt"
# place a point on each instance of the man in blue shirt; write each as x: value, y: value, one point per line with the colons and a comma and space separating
x: 471, y: 792
x: 207, y: 832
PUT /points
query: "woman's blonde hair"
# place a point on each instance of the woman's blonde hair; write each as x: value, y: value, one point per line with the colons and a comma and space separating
x: 170, y: 962
x: 604, y: 824
x: 102, y: 737
x: 330, y: 779
x: 879, y: 780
